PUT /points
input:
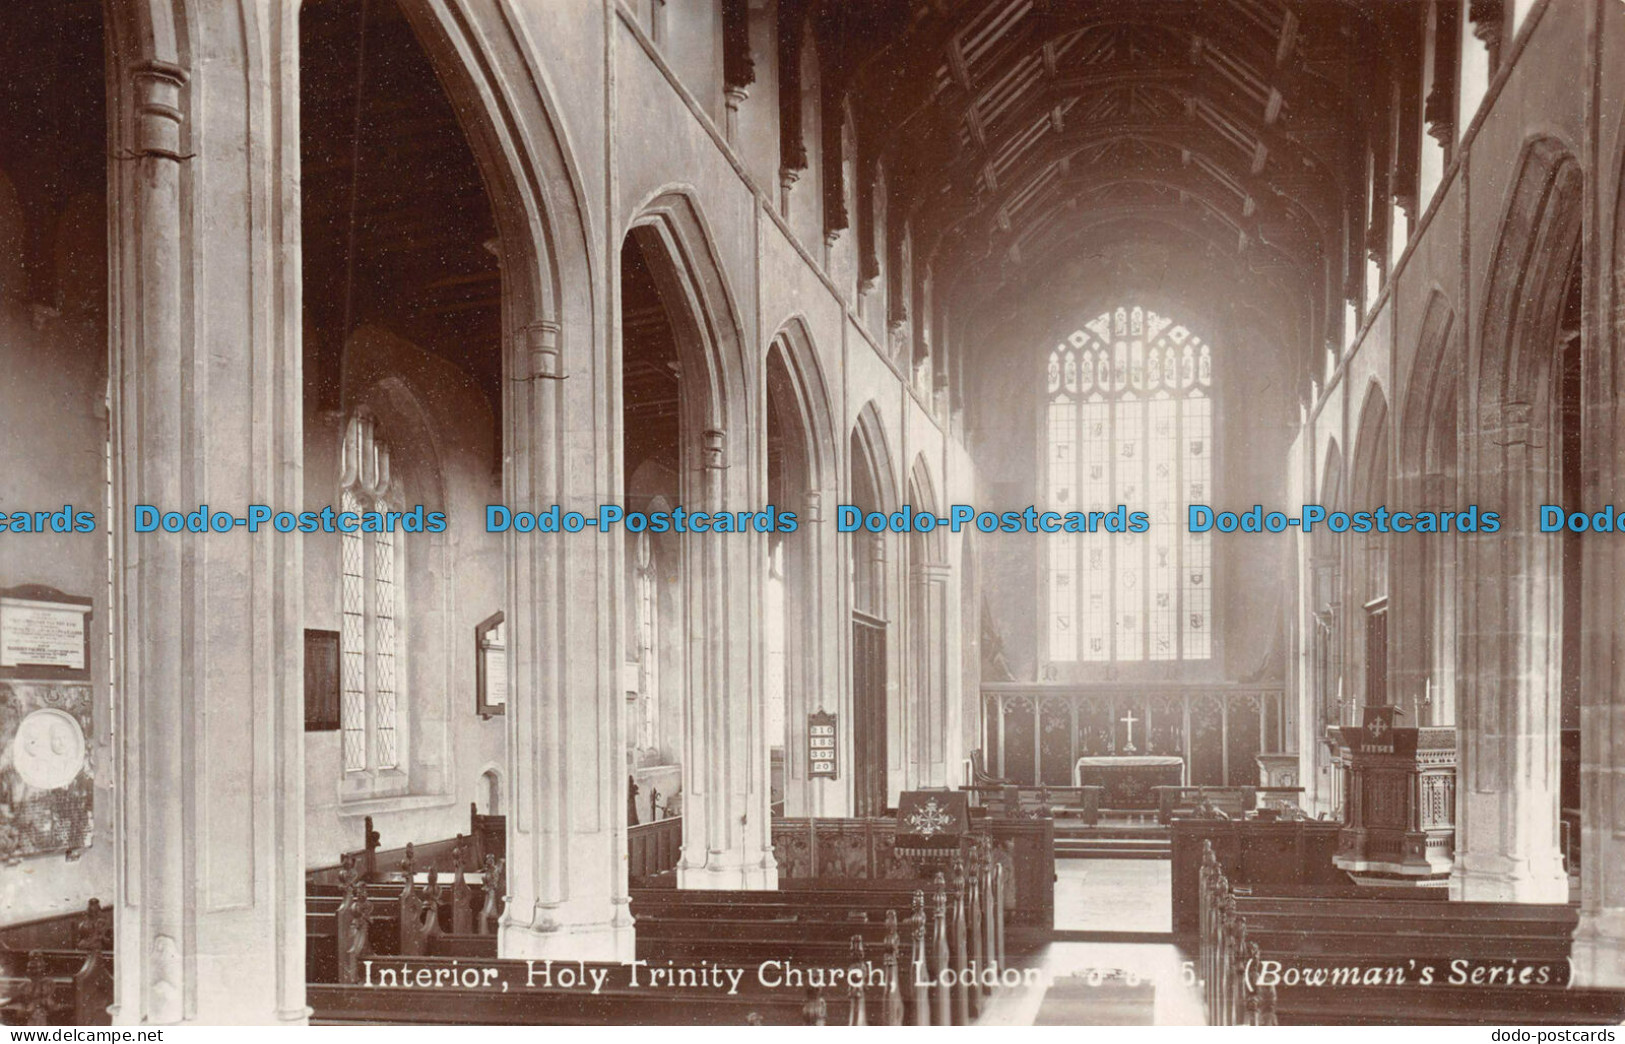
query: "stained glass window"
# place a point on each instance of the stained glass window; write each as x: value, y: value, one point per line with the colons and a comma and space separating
x: 1129, y: 421
x: 369, y: 642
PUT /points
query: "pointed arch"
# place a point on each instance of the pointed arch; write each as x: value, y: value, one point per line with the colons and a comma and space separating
x: 922, y: 495
x: 1518, y: 629
x: 1325, y: 626
x: 1424, y: 564
x: 1367, y: 556
x: 869, y: 433
x: 879, y: 726
x: 1430, y: 382
x: 802, y: 609
x: 669, y: 252
x: 672, y: 232
x: 930, y: 723
x: 796, y: 380
x: 1370, y: 472
x: 1535, y: 249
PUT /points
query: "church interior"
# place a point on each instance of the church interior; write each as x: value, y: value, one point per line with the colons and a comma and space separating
x: 416, y: 259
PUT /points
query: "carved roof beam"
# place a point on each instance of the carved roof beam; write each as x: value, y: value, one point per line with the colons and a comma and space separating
x: 1198, y: 181
x: 1188, y: 225
x: 1235, y: 238
x: 1160, y: 134
x: 1016, y: 124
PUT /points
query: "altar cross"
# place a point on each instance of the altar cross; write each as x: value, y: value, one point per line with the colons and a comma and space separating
x: 1129, y: 719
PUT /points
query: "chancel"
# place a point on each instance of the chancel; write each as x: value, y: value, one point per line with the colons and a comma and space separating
x: 1152, y: 345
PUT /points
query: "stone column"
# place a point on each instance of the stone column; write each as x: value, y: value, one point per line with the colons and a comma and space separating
x: 206, y: 390
x: 1599, y: 942
x: 567, y: 870
x: 890, y: 553
x: 927, y: 660
x: 1407, y: 605
x: 727, y: 825
x: 1508, y: 720
x: 813, y: 667
x: 1598, y: 957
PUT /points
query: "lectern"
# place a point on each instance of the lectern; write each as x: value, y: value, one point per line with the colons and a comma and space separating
x: 1399, y: 800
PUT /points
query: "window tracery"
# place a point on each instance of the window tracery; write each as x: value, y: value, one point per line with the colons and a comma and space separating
x: 1129, y: 420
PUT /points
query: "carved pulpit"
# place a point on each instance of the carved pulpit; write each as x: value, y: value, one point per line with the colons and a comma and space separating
x: 1399, y: 805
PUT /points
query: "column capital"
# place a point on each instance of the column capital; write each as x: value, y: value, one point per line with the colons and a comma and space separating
x: 1508, y: 423
x: 159, y: 120
x: 714, y: 446
x: 541, y: 342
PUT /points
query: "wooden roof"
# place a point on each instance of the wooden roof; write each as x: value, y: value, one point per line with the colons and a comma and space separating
x: 1232, y: 124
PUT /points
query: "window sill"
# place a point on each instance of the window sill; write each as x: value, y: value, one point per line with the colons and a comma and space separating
x: 372, y: 806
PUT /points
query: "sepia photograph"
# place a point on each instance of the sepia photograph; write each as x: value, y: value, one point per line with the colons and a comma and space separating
x: 703, y: 513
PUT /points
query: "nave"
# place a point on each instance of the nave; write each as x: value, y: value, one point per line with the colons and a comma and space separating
x: 467, y: 274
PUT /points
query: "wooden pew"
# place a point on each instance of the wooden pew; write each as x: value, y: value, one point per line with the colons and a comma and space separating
x: 351, y: 921
x: 776, y: 936
x: 58, y: 987
x: 65, y: 976
x: 962, y: 936
x: 653, y: 849
x: 1267, y: 960
x: 819, y: 853
x: 353, y: 918
x: 1265, y: 855
x: 490, y: 834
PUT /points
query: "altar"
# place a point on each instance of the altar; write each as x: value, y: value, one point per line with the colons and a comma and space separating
x: 1034, y: 734
x: 1129, y: 780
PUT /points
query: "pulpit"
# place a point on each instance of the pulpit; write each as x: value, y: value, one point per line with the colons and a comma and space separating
x: 1129, y: 781
x: 1399, y: 801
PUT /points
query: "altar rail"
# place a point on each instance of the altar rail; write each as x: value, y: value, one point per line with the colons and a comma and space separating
x: 1036, y: 733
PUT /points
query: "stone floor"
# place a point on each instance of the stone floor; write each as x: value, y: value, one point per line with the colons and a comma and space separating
x: 1102, y: 984
x: 1113, y: 895
x: 1106, y: 983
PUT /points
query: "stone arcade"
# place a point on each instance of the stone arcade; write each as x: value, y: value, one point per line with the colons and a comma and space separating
x: 392, y: 257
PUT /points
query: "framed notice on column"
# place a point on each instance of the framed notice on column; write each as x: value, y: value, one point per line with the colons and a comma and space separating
x: 44, y: 634
x: 491, y: 666
x: 822, y: 761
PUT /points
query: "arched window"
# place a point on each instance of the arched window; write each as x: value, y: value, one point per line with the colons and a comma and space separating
x: 647, y: 607
x: 1129, y: 421
x: 370, y: 603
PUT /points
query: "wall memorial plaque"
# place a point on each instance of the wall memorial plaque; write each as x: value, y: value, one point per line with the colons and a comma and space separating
x: 44, y: 634
x: 822, y: 759
x: 45, y: 769
x: 491, y: 666
x: 321, y: 680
